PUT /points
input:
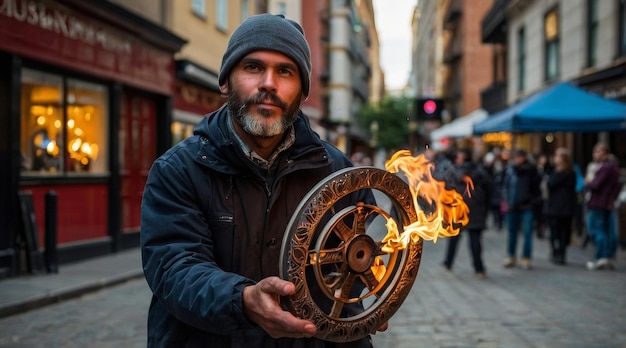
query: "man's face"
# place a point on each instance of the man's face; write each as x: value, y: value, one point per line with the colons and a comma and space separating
x: 264, y: 93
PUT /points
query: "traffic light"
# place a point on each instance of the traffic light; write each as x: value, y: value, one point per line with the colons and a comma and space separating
x: 429, y: 109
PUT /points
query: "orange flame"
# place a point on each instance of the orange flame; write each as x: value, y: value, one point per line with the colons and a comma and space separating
x: 446, y: 212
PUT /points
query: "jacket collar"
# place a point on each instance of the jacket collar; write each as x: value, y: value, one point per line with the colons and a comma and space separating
x: 221, y: 151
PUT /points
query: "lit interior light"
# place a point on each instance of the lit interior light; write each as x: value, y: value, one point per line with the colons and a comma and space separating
x: 86, y: 148
x: 52, y: 148
x: 75, y: 145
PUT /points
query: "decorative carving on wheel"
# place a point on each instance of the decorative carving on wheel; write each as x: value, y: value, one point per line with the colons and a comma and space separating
x: 333, y: 252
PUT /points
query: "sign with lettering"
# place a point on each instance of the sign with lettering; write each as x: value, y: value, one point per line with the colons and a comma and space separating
x: 46, y: 31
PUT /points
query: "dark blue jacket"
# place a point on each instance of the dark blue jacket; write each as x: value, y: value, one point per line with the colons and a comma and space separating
x: 522, y: 187
x: 478, y: 199
x: 562, y: 198
x: 212, y: 223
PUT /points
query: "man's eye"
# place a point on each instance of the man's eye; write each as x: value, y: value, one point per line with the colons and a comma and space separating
x: 251, y: 67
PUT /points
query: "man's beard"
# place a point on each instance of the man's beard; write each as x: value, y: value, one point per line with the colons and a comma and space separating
x: 256, y: 125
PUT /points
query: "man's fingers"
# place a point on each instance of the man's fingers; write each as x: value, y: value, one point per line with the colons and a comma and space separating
x: 275, y: 285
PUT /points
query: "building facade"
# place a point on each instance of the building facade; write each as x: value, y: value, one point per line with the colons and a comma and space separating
x: 581, y: 41
x: 86, y: 99
x: 469, y: 67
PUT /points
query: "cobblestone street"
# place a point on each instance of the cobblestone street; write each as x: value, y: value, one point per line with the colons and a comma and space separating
x: 548, y: 306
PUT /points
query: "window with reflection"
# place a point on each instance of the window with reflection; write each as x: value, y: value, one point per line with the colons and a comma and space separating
x: 551, y: 38
x: 63, y: 125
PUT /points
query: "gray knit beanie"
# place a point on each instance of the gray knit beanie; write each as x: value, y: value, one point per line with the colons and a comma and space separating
x: 269, y: 32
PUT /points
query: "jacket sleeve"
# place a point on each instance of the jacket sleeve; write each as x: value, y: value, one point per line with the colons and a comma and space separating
x: 178, y: 258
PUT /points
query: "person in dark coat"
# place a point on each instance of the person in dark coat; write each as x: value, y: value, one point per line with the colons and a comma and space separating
x: 477, y: 201
x: 216, y: 205
x: 561, y: 204
x: 521, y: 190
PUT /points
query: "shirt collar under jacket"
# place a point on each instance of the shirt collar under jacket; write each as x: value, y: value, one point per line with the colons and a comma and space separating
x: 287, y: 141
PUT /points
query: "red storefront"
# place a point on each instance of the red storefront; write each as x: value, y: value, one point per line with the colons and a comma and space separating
x: 86, y: 93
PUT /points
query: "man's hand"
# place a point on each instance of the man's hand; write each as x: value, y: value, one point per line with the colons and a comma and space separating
x: 261, y: 305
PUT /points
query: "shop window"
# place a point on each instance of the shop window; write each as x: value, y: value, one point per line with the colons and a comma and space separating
x: 63, y: 125
x: 181, y: 131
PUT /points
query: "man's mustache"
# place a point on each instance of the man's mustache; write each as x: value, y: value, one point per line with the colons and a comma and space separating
x: 264, y: 97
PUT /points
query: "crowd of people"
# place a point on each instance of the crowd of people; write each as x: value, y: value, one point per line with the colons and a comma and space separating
x: 542, y: 195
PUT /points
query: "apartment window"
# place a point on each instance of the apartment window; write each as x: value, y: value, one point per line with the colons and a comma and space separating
x: 245, y: 9
x: 198, y: 7
x: 622, y: 28
x: 63, y: 125
x: 221, y: 11
x: 281, y: 8
x: 592, y: 32
x: 521, y: 57
x: 551, y: 38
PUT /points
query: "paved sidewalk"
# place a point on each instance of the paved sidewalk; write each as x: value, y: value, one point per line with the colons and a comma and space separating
x: 23, y: 293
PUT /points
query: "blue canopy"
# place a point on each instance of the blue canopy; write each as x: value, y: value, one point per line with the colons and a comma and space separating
x: 559, y: 108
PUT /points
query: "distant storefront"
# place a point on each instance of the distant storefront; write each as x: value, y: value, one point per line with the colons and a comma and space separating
x: 86, y: 106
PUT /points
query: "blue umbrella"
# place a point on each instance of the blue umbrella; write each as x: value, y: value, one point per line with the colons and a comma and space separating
x: 562, y: 107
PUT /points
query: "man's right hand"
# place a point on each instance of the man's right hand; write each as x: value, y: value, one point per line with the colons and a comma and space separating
x: 261, y: 305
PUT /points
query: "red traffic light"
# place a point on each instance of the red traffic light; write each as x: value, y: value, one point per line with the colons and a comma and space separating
x: 430, y: 106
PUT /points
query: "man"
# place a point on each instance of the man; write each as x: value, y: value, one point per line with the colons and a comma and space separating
x: 603, y: 186
x: 521, y: 190
x: 478, y: 202
x: 216, y: 205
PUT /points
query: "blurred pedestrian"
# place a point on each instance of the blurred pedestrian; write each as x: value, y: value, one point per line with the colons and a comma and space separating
x: 496, y: 175
x: 478, y: 203
x: 521, y: 190
x: 603, y: 188
x: 561, y: 204
x: 544, y: 168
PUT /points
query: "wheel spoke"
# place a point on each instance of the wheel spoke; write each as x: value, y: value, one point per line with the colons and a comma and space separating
x: 361, y: 218
x: 342, y: 230
x: 369, y: 279
x: 343, y: 294
x: 326, y: 256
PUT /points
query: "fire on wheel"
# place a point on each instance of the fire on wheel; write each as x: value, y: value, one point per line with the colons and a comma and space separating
x: 354, y: 264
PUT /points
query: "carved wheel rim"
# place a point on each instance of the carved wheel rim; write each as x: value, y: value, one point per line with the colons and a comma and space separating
x: 330, y: 255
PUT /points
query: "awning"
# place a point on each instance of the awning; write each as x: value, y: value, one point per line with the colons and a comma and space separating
x: 559, y: 108
x: 459, y: 128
